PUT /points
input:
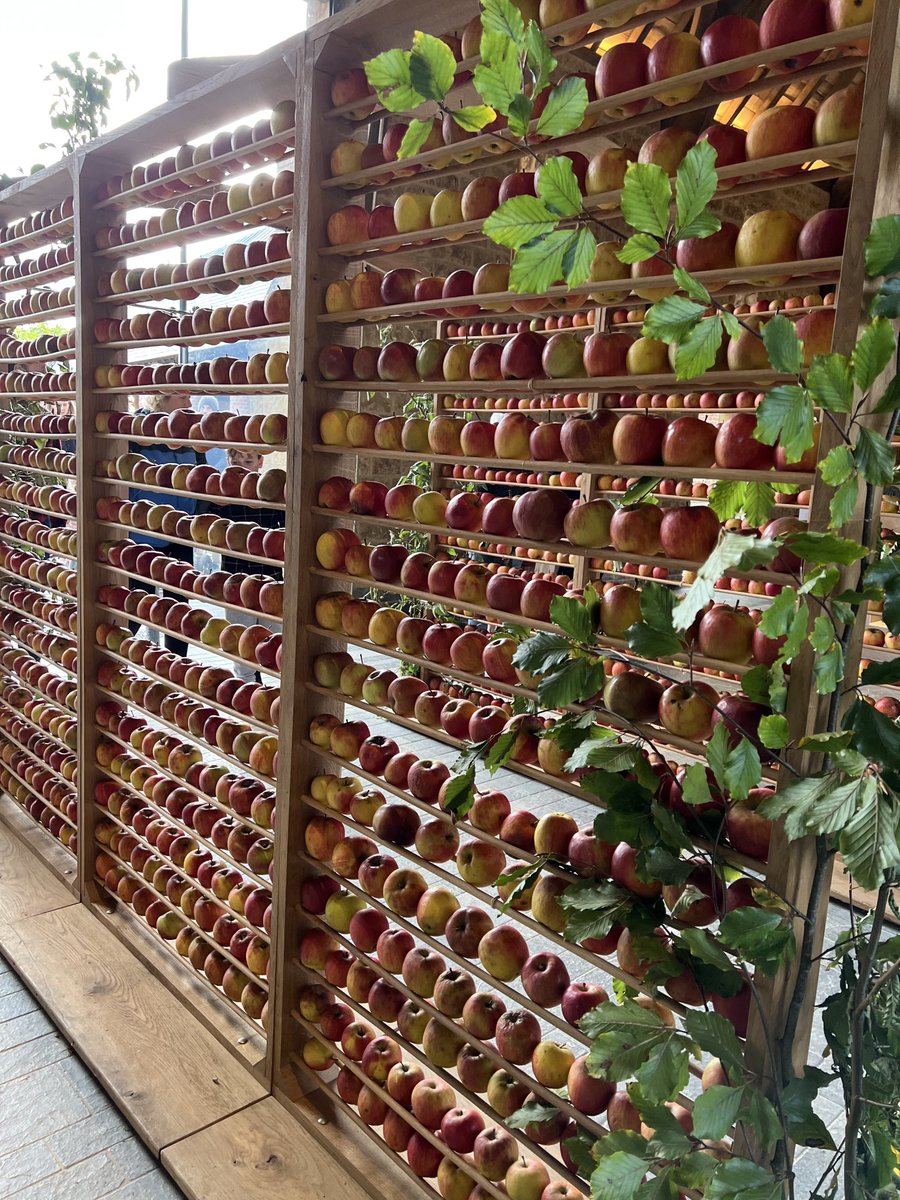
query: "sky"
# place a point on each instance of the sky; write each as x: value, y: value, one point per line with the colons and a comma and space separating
x: 145, y: 34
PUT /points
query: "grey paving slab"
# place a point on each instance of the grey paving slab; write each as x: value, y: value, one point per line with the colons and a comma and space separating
x: 31, y: 1056
x: 24, y: 1167
x: 61, y: 1138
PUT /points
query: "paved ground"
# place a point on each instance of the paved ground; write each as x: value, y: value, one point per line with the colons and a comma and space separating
x: 60, y: 1136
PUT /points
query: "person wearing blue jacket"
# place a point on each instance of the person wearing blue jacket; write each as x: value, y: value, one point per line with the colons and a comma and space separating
x: 187, y: 504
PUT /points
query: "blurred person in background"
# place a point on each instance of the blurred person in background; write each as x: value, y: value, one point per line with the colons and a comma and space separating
x: 187, y: 504
x: 250, y: 460
x: 215, y: 455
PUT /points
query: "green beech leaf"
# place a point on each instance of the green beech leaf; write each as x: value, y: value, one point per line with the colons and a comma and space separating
x: 882, y: 246
x: 572, y: 684
x: 804, y: 1125
x: 473, y: 117
x: 502, y: 17
x: 773, y: 732
x: 786, y: 414
x: 828, y: 669
x: 498, y: 79
x: 389, y: 75
x: 665, y: 1073
x: 578, y: 257
x: 557, y: 186
x: 565, y: 107
x: 542, y: 652
x: 540, y: 264
x: 761, y: 936
x: 831, y: 382
x: 538, y: 59
x: 843, y: 502
x: 672, y: 319
x: 784, y: 348
x: 697, y: 353
x: 646, y: 195
x: 704, y: 946
x: 887, y: 300
x: 874, y: 350
x: 882, y: 672
x: 618, y: 1177
x: 519, y: 221
x: 759, y: 499
x: 837, y: 466
x: 874, y: 734
x: 734, y: 552
x: 691, y: 286
x: 652, y: 643
x: 715, y: 1111
x: 534, y: 1112
x: 459, y: 795
x: 886, y: 575
x: 759, y: 1114
x: 874, y: 457
x: 414, y: 138
x: 695, y: 785
x: 822, y: 634
x: 519, y: 116
x: 500, y: 750
x: 740, y: 1179
x: 868, y: 843
x: 431, y: 66
x: 776, y: 619
x: 716, y: 1036
x: 574, y: 617
x: 638, y: 248
x: 726, y: 498
x: 825, y: 548
x: 743, y: 770
x: 890, y: 400
x: 695, y: 186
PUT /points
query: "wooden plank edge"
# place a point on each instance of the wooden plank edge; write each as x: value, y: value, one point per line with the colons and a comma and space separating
x: 238, y: 1037
x: 258, y: 1153
x: 860, y: 899
x: 42, y: 844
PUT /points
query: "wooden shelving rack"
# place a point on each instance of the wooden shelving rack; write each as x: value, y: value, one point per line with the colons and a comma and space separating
x: 151, y: 777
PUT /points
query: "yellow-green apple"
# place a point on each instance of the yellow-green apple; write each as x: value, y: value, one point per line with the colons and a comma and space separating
x: 412, y: 212
x: 737, y: 447
x: 545, y: 906
x: 505, y: 1093
x: 430, y: 359
x: 526, y: 1179
x: 766, y: 237
x: 562, y: 356
x: 511, y: 436
x: 375, y: 691
x: 606, y: 173
x: 553, y: 834
x: 429, y: 508
x: 605, y: 266
x: 787, y: 21
x: 489, y: 279
x: 838, y: 117
x: 673, y: 55
x: 689, y: 532
x: 686, y: 709
x: 480, y: 863
x: 729, y: 37
x: 502, y: 951
x: 622, y: 68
